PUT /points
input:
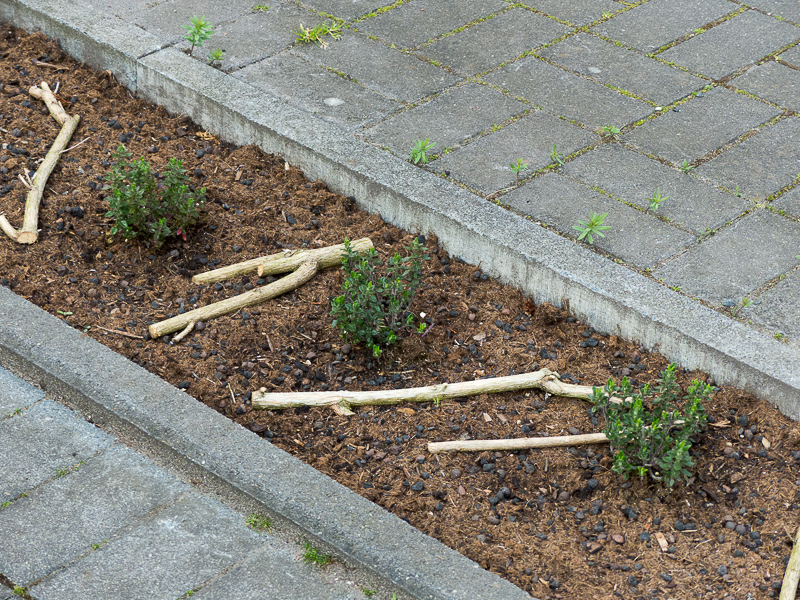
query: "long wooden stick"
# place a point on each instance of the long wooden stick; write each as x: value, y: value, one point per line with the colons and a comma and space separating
x: 303, y: 273
x: 341, y: 401
x: 792, y: 575
x: 284, y: 262
x: 517, y: 444
x: 28, y: 234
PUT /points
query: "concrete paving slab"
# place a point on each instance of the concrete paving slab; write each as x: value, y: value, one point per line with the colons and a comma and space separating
x: 789, y: 202
x: 567, y: 95
x: 493, y: 41
x: 323, y: 94
x: 701, y: 125
x: 624, y: 69
x: 484, y: 164
x: 177, y: 550
x: 636, y: 237
x: 576, y: 12
x: 735, y: 43
x: 477, y: 108
x: 57, y: 522
x: 737, y: 260
x: 779, y: 306
x: 634, y: 178
x: 791, y: 56
x: 123, y: 8
x: 394, y: 74
x: 15, y: 394
x: 411, y: 24
x: 649, y: 26
x: 6, y: 593
x: 288, y: 578
x: 788, y: 9
x: 255, y: 35
x: 41, y: 440
x: 772, y: 81
x: 167, y: 19
x: 760, y: 165
x: 346, y: 9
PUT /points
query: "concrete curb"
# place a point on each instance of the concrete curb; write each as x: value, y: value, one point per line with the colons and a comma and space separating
x: 116, y: 393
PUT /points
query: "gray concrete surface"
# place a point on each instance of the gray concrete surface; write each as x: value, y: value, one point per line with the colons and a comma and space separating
x: 438, y: 69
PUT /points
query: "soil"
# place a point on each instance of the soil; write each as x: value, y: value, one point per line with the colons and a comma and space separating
x: 555, y: 522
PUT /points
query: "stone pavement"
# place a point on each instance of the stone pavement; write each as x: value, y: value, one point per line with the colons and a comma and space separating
x: 86, y: 516
x: 712, y: 83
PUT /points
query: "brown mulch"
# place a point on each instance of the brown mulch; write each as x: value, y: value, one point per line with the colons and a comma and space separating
x: 557, y: 522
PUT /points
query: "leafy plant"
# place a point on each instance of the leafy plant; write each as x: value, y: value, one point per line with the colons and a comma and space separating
x: 316, y: 33
x: 611, y: 129
x: 259, y: 522
x: 198, y: 32
x: 594, y: 226
x: 420, y: 151
x: 649, y: 435
x: 261, y: 7
x: 19, y: 590
x: 368, y: 593
x: 686, y: 167
x: 374, y: 309
x: 657, y: 199
x: 556, y: 157
x: 312, y: 555
x: 518, y: 168
x: 140, y: 206
x: 743, y: 303
x: 215, y: 56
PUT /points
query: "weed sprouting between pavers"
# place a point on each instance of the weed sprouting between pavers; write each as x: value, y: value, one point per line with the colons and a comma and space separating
x: 315, y: 34
x: 419, y: 153
x: 656, y: 200
x: 259, y: 522
x: 198, y: 32
x: 518, y: 168
x: 314, y: 556
x: 593, y: 226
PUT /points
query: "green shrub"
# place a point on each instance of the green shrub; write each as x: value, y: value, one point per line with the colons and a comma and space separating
x: 648, y: 434
x: 142, y: 207
x: 374, y: 308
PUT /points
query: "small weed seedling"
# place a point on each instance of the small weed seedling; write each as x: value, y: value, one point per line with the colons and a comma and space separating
x: 736, y: 192
x: 6, y: 503
x: 140, y: 206
x: 19, y: 590
x: 314, y: 556
x: 374, y: 308
x: 743, y: 303
x: 316, y: 33
x: 648, y: 434
x: 419, y: 153
x: 611, y: 129
x: 685, y: 167
x: 215, y: 56
x: 656, y: 200
x: 198, y: 32
x: 261, y: 8
x: 368, y: 593
x: 594, y: 226
x: 259, y: 522
x: 518, y: 168
x: 778, y: 336
x: 556, y: 157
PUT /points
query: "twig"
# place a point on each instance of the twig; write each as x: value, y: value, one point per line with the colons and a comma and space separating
x: 517, y: 444
x: 792, y: 575
x: 39, y: 63
x: 75, y: 146
x: 125, y: 333
x: 183, y: 333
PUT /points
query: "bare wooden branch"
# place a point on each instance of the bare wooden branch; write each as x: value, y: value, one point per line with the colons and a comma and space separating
x: 543, y: 379
x: 792, y: 575
x: 517, y: 444
x: 303, y: 273
x: 330, y: 256
x: 28, y: 234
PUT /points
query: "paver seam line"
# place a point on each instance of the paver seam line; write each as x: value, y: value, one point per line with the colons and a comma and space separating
x: 697, y: 31
x: 765, y: 13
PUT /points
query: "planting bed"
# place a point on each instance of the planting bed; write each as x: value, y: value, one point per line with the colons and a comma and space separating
x: 557, y: 522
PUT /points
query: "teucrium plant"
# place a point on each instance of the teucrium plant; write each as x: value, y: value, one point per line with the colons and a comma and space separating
x: 647, y: 433
x: 141, y: 207
x: 373, y: 308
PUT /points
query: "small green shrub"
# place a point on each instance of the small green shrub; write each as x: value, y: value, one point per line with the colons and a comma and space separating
x: 140, y: 206
x: 259, y: 522
x: 374, y: 308
x: 215, y: 56
x: 556, y: 156
x: 657, y: 199
x: 198, y: 32
x: 518, y: 167
x: 316, y: 33
x: 649, y: 435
